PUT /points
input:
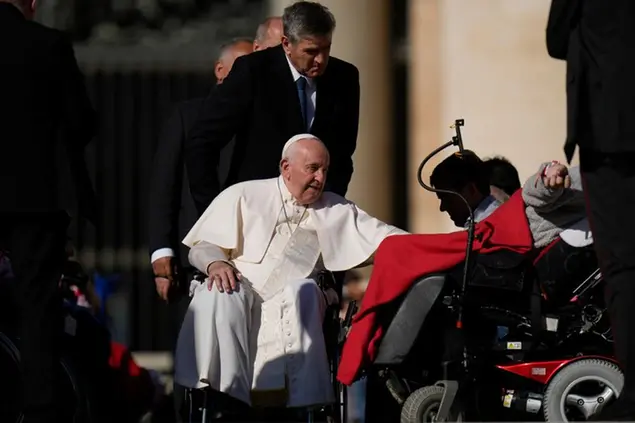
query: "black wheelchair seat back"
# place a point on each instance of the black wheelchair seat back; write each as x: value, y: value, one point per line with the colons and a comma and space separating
x: 560, y: 268
x: 407, y: 319
x: 502, y: 278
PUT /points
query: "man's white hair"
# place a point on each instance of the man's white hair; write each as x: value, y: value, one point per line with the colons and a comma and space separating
x: 287, y: 150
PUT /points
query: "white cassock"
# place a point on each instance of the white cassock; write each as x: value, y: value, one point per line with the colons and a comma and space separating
x: 267, y: 337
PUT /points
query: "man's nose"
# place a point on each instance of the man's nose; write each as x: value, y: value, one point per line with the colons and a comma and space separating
x: 321, y: 57
x: 319, y: 176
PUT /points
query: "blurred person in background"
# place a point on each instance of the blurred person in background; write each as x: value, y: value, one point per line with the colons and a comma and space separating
x: 597, y: 40
x: 269, y: 33
x: 271, y: 95
x: 172, y: 212
x: 503, y: 177
x: 45, y: 124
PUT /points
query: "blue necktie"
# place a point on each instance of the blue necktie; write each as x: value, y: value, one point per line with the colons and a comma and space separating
x: 301, y: 84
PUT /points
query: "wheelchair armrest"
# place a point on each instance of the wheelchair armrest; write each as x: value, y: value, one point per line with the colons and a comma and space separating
x: 199, y: 276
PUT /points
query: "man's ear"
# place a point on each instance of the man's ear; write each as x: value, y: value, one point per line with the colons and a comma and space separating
x: 218, y: 72
x: 286, y: 44
x: 284, y: 167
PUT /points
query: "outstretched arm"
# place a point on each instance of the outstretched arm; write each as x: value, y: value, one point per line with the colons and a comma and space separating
x: 341, y: 168
x: 552, y: 187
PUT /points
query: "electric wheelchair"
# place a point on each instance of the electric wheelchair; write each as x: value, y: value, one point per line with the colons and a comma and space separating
x: 200, y: 402
x: 521, y: 347
x: 500, y: 336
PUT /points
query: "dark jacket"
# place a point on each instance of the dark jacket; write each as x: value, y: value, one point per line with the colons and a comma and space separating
x: 597, y: 39
x: 46, y: 120
x: 258, y: 104
x: 171, y: 210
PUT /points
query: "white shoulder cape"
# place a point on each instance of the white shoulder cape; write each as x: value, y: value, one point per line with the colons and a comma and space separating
x: 243, y: 217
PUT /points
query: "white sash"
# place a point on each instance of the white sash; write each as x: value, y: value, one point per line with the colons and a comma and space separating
x: 298, y: 260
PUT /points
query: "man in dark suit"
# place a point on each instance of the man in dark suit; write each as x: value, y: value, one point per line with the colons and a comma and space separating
x: 597, y: 39
x: 271, y: 95
x: 46, y: 120
x: 171, y: 210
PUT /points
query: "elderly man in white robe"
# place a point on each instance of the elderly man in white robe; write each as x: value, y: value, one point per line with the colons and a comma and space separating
x: 255, y: 326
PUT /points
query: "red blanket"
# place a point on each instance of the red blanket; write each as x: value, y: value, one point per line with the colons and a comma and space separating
x: 402, y: 259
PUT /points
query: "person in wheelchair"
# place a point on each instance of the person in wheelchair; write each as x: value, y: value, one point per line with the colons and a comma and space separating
x: 549, y: 202
x: 253, y: 330
x: 466, y: 174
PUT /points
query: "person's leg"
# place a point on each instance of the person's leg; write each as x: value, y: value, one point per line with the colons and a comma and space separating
x: 609, y: 182
x: 215, y: 343
x: 37, y: 244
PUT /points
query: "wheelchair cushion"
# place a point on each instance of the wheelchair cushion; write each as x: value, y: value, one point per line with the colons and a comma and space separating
x: 404, y: 328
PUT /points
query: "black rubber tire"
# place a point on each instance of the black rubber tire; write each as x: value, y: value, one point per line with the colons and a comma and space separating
x: 423, y: 401
x: 82, y: 390
x: 10, y: 403
x: 568, y: 375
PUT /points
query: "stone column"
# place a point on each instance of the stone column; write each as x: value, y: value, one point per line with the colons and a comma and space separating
x: 484, y: 61
x: 362, y: 37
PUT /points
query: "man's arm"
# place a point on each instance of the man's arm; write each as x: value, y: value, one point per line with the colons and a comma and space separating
x: 78, y: 115
x: 220, y: 117
x: 165, y: 189
x: 545, y: 199
x: 341, y: 167
x: 203, y: 254
x: 564, y: 15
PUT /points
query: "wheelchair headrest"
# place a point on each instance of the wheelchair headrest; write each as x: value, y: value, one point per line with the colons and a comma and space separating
x: 578, y: 234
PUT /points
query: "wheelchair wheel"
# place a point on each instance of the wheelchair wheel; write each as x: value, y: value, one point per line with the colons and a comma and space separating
x: 423, y: 405
x: 9, y: 376
x: 581, y: 389
x: 74, y: 405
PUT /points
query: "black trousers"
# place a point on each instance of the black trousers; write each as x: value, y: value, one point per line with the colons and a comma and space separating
x: 177, y: 308
x: 36, y: 244
x: 609, y: 183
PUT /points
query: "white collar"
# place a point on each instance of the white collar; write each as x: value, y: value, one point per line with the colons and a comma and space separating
x: 486, y: 207
x: 297, y: 75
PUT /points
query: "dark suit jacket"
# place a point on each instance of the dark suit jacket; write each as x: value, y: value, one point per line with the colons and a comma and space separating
x: 171, y: 211
x: 46, y: 120
x: 258, y: 104
x: 597, y: 39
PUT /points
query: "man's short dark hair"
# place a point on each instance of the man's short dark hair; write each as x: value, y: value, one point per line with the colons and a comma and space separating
x: 306, y: 18
x: 502, y: 174
x: 458, y: 170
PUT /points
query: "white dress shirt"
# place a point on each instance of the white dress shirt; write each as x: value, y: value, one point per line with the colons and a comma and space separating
x: 310, y: 92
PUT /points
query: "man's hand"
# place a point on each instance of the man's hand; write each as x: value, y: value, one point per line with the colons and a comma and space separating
x: 224, y: 276
x: 163, y: 286
x: 164, y: 275
x: 556, y: 176
x: 164, y: 268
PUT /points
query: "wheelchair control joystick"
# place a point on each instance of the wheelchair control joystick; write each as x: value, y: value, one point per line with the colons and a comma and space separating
x: 457, y: 140
x: 455, y: 302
